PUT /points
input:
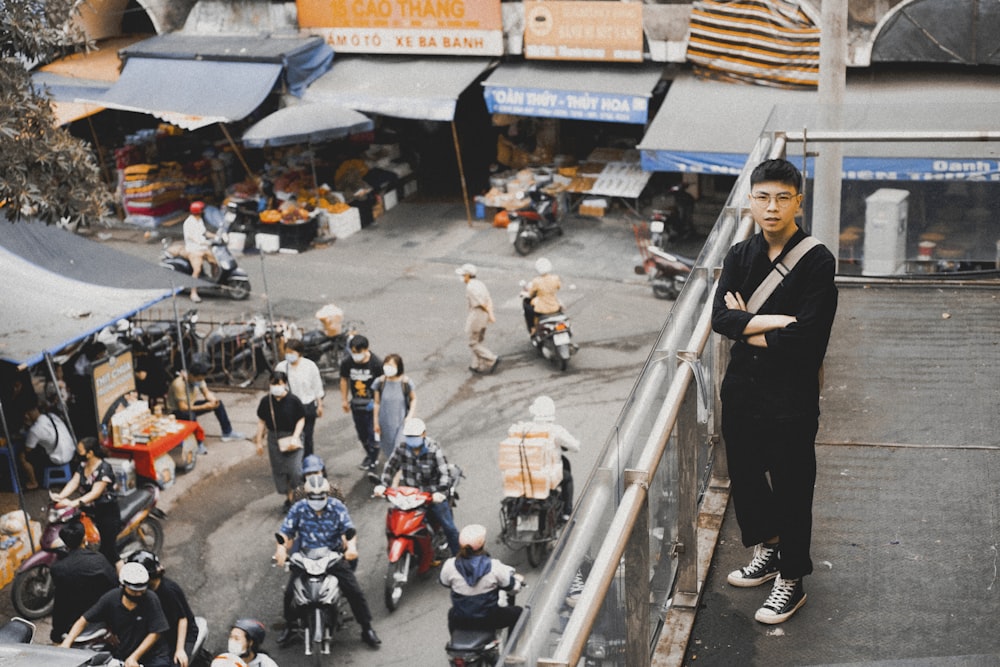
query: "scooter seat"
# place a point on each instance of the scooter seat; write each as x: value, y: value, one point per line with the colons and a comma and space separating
x: 314, y: 337
x: 470, y: 640
x: 552, y: 317
x: 133, y: 502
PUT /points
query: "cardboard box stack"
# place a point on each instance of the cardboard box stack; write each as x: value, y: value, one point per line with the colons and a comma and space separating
x: 530, y: 462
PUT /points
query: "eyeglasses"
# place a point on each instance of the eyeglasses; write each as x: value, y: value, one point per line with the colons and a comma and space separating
x: 781, y: 199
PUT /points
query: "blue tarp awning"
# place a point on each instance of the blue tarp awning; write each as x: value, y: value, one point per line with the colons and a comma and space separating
x: 615, y: 93
x: 195, y: 80
x: 415, y: 88
x: 710, y: 126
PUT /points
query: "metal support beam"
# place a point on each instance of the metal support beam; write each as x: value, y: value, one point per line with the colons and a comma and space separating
x: 637, y: 590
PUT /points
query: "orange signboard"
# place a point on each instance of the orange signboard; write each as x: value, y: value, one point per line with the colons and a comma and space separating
x: 449, y: 27
x: 607, y: 31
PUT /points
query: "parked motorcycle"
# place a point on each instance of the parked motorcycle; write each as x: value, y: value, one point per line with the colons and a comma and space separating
x: 534, y: 223
x: 477, y: 648
x: 414, y: 544
x: 328, y: 351
x: 32, y: 591
x: 553, y: 337
x: 675, y: 223
x: 318, y: 603
x: 227, y: 278
x: 667, y: 272
x: 531, y: 523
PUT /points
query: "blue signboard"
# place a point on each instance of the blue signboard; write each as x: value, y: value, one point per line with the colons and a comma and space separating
x: 572, y: 105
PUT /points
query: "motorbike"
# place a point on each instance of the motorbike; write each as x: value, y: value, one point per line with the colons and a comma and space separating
x: 675, y: 223
x: 534, y: 223
x: 227, y: 278
x: 553, y: 337
x: 319, y: 604
x: 414, y: 546
x: 532, y: 523
x: 667, y: 272
x: 477, y: 648
x: 328, y: 351
x: 32, y: 591
x: 95, y: 637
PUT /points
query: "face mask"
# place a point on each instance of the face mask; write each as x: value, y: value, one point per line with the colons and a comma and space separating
x: 390, y: 371
x: 358, y: 356
x: 134, y: 597
x: 236, y: 647
x: 316, y: 503
x: 414, y: 441
x: 291, y: 357
x: 278, y: 390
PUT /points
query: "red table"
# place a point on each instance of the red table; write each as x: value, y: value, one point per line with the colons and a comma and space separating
x: 144, y: 454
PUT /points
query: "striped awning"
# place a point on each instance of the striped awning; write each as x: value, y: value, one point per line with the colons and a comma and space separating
x: 768, y: 43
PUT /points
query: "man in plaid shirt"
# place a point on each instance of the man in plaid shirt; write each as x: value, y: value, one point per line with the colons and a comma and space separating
x: 421, y: 464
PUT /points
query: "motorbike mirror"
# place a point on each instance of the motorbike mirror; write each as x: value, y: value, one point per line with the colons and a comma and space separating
x: 279, y: 538
x: 522, y: 283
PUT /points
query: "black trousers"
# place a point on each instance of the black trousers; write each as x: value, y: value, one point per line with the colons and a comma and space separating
x: 772, y: 467
x: 495, y: 619
x: 108, y: 521
x: 348, y: 585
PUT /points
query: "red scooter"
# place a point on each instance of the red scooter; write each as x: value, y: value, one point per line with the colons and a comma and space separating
x: 534, y: 223
x: 414, y: 544
x: 666, y: 271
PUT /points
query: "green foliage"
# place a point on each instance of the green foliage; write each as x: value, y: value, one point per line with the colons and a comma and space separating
x: 45, y: 173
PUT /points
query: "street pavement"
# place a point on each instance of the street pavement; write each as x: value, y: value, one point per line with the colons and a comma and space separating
x: 398, y: 278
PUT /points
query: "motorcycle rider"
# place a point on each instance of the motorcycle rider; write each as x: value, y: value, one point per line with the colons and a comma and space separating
x: 183, y: 632
x: 540, y: 294
x: 322, y: 521
x: 79, y: 579
x: 475, y: 580
x: 133, y: 615
x: 197, y: 243
x: 245, y: 640
x: 543, y: 412
x: 422, y: 464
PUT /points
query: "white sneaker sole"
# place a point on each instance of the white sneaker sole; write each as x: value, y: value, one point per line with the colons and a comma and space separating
x: 736, y: 578
x: 768, y: 617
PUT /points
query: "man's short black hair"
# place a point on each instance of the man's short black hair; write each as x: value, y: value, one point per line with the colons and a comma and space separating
x: 295, y: 345
x: 72, y: 534
x: 777, y: 171
x: 359, y: 342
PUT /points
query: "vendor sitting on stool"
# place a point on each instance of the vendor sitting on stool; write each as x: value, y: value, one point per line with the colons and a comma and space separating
x: 189, y: 396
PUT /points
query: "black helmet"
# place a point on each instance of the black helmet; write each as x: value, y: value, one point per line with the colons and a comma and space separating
x: 148, y: 560
x: 254, y: 630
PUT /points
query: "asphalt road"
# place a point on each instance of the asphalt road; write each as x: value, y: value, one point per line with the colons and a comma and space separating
x: 398, y: 278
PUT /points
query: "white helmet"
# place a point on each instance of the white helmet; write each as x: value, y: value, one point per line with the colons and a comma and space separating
x: 543, y: 266
x: 135, y: 576
x: 543, y: 409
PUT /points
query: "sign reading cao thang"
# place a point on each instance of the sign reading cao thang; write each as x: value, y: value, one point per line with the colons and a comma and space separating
x: 433, y: 27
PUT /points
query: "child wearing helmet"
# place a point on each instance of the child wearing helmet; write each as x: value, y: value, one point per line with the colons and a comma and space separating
x: 133, y: 615
x: 245, y: 640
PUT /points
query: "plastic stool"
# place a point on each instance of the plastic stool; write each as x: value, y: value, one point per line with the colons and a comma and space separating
x: 11, y: 463
x: 56, y: 474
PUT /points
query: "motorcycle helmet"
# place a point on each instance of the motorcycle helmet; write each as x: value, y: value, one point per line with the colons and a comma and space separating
x: 317, y: 490
x: 148, y: 560
x: 197, y: 207
x: 543, y: 266
x: 473, y: 536
x: 312, y: 464
x: 134, y: 576
x: 543, y: 409
x: 253, y: 629
x: 414, y: 426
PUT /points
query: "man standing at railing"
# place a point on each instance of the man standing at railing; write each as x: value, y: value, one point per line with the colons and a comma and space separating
x: 776, y: 299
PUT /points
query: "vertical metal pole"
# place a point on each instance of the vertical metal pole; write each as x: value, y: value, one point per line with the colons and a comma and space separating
x: 687, y: 495
x: 461, y: 173
x: 832, y: 83
x: 637, y: 570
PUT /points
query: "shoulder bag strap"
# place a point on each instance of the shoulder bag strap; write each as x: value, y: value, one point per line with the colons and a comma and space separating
x: 781, y: 269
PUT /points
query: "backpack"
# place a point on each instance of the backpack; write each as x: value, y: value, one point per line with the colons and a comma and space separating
x: 407, y: 389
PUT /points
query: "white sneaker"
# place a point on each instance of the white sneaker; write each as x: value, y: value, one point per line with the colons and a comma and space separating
x: 785, y: 599
x: 233, y: 435
x: 762, y: 567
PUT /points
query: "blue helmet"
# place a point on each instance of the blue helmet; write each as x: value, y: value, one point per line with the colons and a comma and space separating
x: 312, y: 464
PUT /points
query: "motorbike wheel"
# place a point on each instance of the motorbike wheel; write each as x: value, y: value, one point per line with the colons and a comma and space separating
x: 242, y: 370
x: 33, y: 592
x: 149, y: 535
x: 537, y: 552
x: 329, y: 365
x: 394, y: 589
x: 525, y: 243
x: 664, y: 289
x: 239, y: 290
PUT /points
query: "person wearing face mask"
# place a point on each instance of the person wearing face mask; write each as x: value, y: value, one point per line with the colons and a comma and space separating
x: 133, y: 615
x: 306, y: 383
x: 356, y: 376
x: 245, y: 640
x: 422, y: 464
x: 280, y: 414
x: 182, y: 634
x: 316, y: 522
x: 395, y: 401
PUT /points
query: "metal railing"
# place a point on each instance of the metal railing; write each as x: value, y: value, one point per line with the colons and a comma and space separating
x: 633, y: 534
